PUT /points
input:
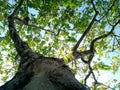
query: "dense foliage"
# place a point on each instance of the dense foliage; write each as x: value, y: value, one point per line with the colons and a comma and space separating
x: 56, y: 26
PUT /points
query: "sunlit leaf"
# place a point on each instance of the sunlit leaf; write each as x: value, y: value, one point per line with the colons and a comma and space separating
x: 115, y: 58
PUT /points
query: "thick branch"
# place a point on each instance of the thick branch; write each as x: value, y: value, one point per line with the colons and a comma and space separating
x: 94, y: 6
x: 98, y: 38
x: 103, y: 36
x: 17, y: 8
x: 86, y: 31
x: 80, y: 54
x: 20, y: 46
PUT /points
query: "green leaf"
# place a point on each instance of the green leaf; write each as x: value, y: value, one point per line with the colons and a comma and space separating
x: 71, y: 39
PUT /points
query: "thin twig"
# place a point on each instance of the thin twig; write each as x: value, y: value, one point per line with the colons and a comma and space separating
x: 99, y: 83
x: 31, y: 25
x: 117, y: 35
x: 94, y: 77
x: 90, y: 68
x: 107, y: 18
x: 39, y: 27
x: 113, y: 43
x: 117, y: 40
x: 87, y: 76
x: 107, y: 11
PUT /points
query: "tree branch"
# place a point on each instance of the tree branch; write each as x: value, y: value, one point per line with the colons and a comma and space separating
x: 87, y: 76
x: 87, y: 30
x: 117, y: 40
x: 83, y: 60
x: 17, y: 8
x: 94, y: 6
x: 107, y: 17
x: 92, y: 49
x: 103, y: 36
x: 99, y: 83
x: 31, y: 25
x: 90, y: 70
x: 113, y: 43
x: 107, y: 11
x: 20, y: 46
x: 81, y: 54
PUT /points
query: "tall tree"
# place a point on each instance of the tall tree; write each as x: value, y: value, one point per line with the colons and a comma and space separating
x: 49, y: 35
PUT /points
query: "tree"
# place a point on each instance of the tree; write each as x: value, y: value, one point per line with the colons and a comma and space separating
x: 49, y: 35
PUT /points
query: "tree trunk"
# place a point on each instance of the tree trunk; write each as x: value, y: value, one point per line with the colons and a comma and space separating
x: 37, y: 72
x: 43, y: 73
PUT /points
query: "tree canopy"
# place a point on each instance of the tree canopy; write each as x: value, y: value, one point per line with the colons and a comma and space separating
x: 85, y: 33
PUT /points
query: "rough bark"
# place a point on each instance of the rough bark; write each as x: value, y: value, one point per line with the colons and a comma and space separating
x: 44, y: 74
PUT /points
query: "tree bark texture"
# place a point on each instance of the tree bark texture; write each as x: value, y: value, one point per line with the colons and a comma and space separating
x: 44, y: 73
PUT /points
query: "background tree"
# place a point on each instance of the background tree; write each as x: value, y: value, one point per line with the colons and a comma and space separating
x: 83, y: 34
